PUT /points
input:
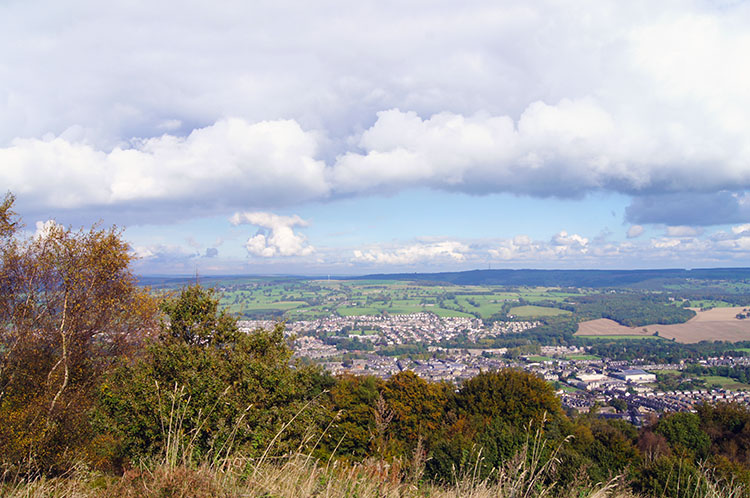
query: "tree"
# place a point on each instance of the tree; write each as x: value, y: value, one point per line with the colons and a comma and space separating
x: 195, y: 319
x: 69, y: 308
x: 230, y: 390
x: 418, y: 408
x: 515, y: 396
x: 684, y: 433
x: 355, y: 398
x: 494, y: 411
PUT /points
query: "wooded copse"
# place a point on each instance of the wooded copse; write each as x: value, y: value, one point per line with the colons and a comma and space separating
x: 95, y: 371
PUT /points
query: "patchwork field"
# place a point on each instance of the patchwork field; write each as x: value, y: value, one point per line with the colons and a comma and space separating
x: 725, y: 382
x: 531, y: 311
x: 304, y: 299
x: 718, y: 324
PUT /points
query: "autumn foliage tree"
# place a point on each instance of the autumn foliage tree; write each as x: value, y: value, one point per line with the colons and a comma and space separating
x: 69, y: 306
x: 418, y: 408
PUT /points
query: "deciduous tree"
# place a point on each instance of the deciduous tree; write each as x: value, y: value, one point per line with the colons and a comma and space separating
x: 69, y: 307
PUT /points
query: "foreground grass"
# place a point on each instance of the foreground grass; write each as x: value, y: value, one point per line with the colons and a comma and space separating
x: 298, y: 478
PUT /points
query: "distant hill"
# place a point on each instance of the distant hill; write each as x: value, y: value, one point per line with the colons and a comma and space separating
x: 643, y: 279
x: 570, y: 278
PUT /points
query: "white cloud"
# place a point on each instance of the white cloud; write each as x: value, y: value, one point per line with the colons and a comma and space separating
x: 540, y: 98
x: 682, y: 231
x: 519, y: 247
x: 162, y: 253
x: 739, y: 244
x: 561, y: 246
x: 564, y: 244
x: 563, y: 239
x: 665, y: 243
x: 45, y: 228
x: 279, y: 238
x: 574, y: 251
x: 231, y: 162
x: 144, y: 252
x: 415, y: 253
x: 635, y: 231
x: 563, y: 149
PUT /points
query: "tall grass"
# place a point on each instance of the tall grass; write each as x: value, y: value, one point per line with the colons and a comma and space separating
x: 297, y: 477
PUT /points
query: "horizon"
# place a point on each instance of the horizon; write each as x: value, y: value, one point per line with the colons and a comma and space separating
x: 334, y: 276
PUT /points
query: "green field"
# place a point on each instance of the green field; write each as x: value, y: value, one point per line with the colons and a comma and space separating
x: 445, y: 313
x: 364, y: 332
x: 537, y: 358
x: 531, y: 311
x: 582, y: 357
x: 297, y: 299
x: 705, y: 303
x: 305, y: 299
x: 725, y: 382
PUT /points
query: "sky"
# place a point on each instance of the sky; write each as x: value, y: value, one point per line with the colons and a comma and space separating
x: 342, y: 138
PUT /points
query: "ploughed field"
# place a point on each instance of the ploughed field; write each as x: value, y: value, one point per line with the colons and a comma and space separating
x: 717, y: 324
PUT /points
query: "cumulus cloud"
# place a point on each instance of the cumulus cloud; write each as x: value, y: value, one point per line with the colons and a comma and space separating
x: 561, y: 245
x: 519, y: 247
x: 736, y: 241
x: 565, y: 241
x: 415, y: 253
x: 45, y: 228
x: 169, y: 255
x: 683, y: 231
x: 276, y: 236
x: 645, y: 100
x: 566, y: 250
x: 665, y: 243
x: 564, y: 150
x: 231, y: 162
x: 634, y: 231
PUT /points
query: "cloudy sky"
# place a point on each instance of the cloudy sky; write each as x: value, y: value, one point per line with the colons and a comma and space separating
x: 356, y: 137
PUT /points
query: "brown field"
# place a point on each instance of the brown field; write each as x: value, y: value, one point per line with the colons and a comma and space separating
x: 718, y: 324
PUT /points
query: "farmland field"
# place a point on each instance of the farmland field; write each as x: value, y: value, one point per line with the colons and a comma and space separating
x: 531, y: 311
x: 306, y: 299
x: 725, y: 382
x: 538, y: 359
x: 582, y: 357
x: 616, y: 337
x: 718, y: 324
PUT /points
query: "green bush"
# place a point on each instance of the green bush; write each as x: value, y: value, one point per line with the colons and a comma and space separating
x: 204, y: 389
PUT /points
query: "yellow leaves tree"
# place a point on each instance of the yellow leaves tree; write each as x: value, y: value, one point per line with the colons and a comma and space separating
x: 418, y: 408
x: 69, y: 308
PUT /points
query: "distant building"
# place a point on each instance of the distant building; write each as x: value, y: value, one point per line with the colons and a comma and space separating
x: 635, y: 375
x: 588, y: 381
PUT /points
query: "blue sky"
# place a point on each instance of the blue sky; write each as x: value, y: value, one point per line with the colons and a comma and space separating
x: 349, y: 138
